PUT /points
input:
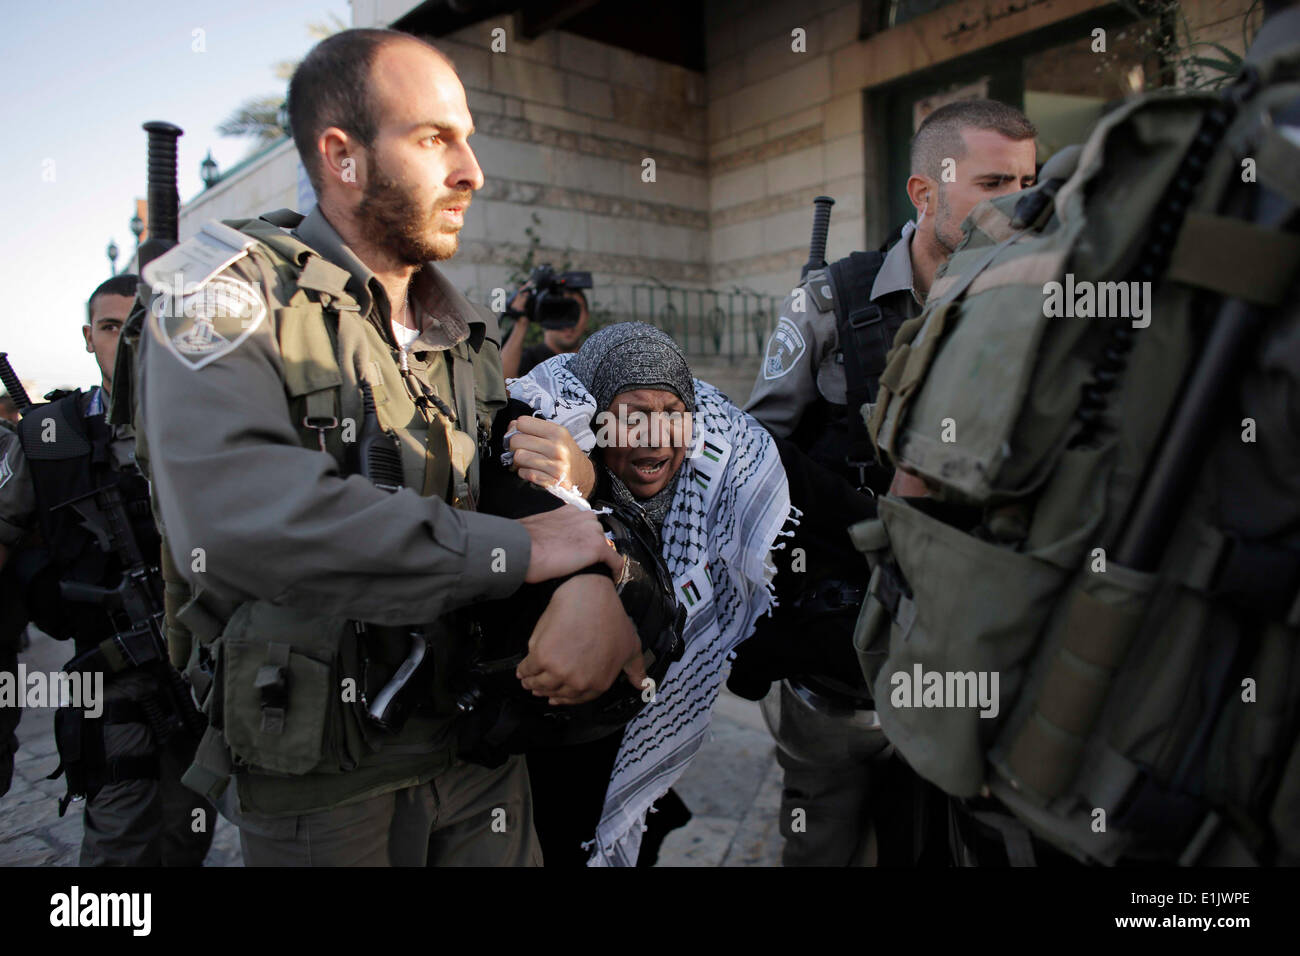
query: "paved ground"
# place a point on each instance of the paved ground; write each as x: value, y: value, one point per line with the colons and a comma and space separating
x: 733, y: 788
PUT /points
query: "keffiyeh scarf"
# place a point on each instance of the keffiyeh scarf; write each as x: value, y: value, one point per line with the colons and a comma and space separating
x: 730, y: 505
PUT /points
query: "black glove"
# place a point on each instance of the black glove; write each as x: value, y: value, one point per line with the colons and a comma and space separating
x: 793, y: 642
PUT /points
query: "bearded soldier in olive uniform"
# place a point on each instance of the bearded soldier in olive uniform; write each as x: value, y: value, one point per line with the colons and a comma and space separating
x: 289, y: 336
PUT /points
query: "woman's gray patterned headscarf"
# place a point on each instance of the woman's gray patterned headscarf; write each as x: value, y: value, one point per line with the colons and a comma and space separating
x: 627, y: 356
x: 631, y: 355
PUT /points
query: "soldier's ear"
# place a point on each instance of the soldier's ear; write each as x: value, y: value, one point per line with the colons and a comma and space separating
x: 85, y: 333
x: 919, y: 190
x: 340, y: 156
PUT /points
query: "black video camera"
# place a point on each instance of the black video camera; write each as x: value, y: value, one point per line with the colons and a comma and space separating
x: 547, y: 304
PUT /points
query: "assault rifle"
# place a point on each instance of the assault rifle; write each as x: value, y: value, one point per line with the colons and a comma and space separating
x: 135, y: 606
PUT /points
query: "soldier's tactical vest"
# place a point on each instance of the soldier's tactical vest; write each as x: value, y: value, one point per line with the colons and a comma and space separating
x: 1148, y: 711
x: 269, y: 677
x: 831, y: 434
x: 70, y: 457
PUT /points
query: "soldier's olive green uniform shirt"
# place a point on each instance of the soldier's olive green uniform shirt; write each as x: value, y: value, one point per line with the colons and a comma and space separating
x: 277, y: 521
x: 802, y: 361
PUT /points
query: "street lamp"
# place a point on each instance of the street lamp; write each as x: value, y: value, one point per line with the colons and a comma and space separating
x: 112, y: 252
x: 137, y: 229
x: 208, y: 171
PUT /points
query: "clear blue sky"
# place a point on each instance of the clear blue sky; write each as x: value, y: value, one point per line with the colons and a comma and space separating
x: 79, y: 77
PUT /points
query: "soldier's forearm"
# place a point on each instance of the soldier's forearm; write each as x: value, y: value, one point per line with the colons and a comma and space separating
x: 340, y: 546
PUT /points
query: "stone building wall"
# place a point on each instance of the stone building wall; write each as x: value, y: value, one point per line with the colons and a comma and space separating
x: 1221, y: 21
x: 565, y: 126
x: 780, y: 134
x: 264, y: 183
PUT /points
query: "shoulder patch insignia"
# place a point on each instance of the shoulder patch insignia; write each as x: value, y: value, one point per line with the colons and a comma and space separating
x: 206, y: 324
x: 6, y: 469
x: 784, y: 348
x: 201, y: 314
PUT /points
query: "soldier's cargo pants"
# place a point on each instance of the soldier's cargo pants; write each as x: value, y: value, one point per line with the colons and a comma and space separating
x: 144, y: 822
x: 876, y: 813
x: 825, y: 814
x: 466, y: 816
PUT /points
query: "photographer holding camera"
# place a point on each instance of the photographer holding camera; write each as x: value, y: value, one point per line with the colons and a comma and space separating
x: 557, y: 302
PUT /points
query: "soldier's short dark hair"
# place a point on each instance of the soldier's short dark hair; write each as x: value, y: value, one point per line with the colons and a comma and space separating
x: 123, y: 284
x: 940, y: 134
x: 331, y: 87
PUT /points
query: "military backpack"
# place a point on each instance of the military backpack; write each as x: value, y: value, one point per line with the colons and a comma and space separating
x: 1091, y: 622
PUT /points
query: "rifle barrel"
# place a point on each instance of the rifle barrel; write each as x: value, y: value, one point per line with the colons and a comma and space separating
x: 13, y: 386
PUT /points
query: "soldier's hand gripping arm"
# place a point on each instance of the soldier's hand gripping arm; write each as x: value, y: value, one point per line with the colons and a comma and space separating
x: 581, y: 642
x: 787, y: 378
x: 565, y: 541
x: 251, y: 513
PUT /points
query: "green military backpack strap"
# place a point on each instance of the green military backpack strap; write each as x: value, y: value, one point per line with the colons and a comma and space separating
x: 1120, y: 712
x: 307, y: 327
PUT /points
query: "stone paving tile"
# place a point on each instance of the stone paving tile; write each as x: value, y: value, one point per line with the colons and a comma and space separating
x: 758, y: 840
x: 31, y: 833
x: 28, y: 850
x: 726, y: 774
x: 67, y: 835
x: 733, y: 789
x: 20, y: 791
x: 39, y: 747
x: 702, y: 842
x: 25, y: 817
x: 51, y: 788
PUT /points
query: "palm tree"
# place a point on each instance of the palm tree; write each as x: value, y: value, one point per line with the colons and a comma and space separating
x: 262, y: 117
x: 258, y: 118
